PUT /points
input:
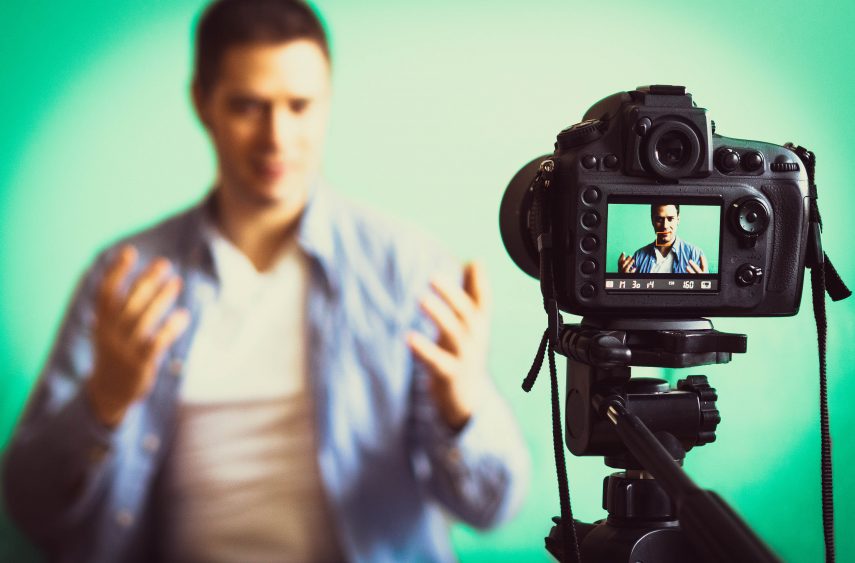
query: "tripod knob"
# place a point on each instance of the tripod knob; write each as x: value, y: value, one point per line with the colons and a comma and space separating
x: 710, y: 417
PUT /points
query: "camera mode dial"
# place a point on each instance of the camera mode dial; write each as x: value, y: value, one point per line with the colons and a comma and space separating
x: 579, y: 134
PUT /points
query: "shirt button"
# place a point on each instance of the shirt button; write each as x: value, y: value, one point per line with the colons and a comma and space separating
x: 151, y: 443
x: 176, y: 367
x: 453, y: 455
x: 124, y: 518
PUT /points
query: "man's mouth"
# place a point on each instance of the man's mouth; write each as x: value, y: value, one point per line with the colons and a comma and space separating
x: 270, y: 170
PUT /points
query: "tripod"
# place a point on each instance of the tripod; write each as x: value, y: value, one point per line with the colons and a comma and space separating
x: 656, y: 514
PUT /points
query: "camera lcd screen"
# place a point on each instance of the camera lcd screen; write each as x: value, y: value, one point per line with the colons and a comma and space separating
x: 662, y: 246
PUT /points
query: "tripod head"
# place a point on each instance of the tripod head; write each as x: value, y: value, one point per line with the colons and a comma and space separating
x: 656, y: 513
x: 600, y: 352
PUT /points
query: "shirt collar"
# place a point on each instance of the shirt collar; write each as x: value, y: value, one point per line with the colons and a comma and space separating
x: 315, y: 232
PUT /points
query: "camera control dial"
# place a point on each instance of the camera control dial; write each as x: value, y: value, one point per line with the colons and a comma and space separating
x: 579, y: 134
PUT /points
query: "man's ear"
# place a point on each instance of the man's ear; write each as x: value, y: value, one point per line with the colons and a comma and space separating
x: 199, y: 98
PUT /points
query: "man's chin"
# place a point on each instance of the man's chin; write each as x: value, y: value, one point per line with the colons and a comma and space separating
x: 274, y: 194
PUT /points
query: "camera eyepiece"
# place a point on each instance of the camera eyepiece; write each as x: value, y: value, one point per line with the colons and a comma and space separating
x: 672, y: 150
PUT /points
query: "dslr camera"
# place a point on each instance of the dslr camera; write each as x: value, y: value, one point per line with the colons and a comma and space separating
x: 653, y: 214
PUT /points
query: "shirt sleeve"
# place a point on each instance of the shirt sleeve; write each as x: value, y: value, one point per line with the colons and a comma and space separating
x: 60, y: 454
x: 480, y: 474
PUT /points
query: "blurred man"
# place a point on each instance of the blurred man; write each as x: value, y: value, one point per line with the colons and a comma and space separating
x: 667, y: 254
x: 275, y: 374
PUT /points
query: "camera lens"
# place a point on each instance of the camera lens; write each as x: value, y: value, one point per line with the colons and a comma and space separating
x: 518, y: 215
x: 672, y: 150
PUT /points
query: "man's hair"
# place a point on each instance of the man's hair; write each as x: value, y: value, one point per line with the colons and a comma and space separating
x: 229, y: 23
x: 655, y: 206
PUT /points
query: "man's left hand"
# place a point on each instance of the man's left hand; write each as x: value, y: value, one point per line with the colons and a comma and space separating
x: 457, y: 362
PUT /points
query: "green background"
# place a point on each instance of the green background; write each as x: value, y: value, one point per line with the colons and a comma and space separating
x: 630, y: 228
x: 437, y: 105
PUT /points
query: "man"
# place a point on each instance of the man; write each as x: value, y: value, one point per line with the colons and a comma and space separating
x: 667, y: 253
x: 274, y: 375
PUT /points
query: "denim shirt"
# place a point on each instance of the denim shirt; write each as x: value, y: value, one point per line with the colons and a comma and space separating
x: 645, y: 257
x: 391, y: 469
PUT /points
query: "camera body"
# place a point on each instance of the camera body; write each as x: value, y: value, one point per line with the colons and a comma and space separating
x: 652, y: 214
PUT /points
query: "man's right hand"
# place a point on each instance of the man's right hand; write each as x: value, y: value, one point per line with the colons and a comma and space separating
x: 131, y: 333
x: 626, y: 264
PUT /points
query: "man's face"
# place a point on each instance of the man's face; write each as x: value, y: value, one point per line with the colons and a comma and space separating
x: 665, y: 221
x: 267, y: 115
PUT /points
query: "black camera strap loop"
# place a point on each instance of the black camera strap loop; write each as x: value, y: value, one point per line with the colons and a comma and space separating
x: 824, y: 279
x: 540, y: 185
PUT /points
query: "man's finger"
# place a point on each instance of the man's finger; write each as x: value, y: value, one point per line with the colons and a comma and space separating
x: 113, y: 278
x: 455, y: 296
x: 450, y: 328
x: 438, y: 361
x: 704, y: 264
x: 144, y: 288
x: 153, y: 313
x: 172, y: 329
x: 476, y: 285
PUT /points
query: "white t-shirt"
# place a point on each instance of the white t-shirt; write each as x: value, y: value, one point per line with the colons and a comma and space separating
x: 663, y: 264
x: 242, y: 480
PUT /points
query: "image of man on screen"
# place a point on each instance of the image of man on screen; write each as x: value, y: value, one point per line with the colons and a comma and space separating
x: 668, y: 253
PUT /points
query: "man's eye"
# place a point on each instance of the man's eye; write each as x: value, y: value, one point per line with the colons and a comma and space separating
x: 246, y: 107
x: 299, y: 105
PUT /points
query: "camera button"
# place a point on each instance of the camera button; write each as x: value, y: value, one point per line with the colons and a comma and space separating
x: 748, y: 274
x: 727, y: 160
x: 591, y: 196
x: 590, y: 219
x: 752, y: 161
x: 588, y: 290
x: 589, y: 161
x: 610, y: 161
x: 588, y: 267
x: 590, y: 243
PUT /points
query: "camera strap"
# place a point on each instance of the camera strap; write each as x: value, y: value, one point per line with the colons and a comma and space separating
x: 824, y: 279
x: 540, y: 187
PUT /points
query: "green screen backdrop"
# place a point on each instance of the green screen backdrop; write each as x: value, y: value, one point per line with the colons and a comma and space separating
x: 436, y: 106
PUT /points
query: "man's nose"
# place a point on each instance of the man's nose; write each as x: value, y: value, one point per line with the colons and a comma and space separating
x: 280, y: 129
